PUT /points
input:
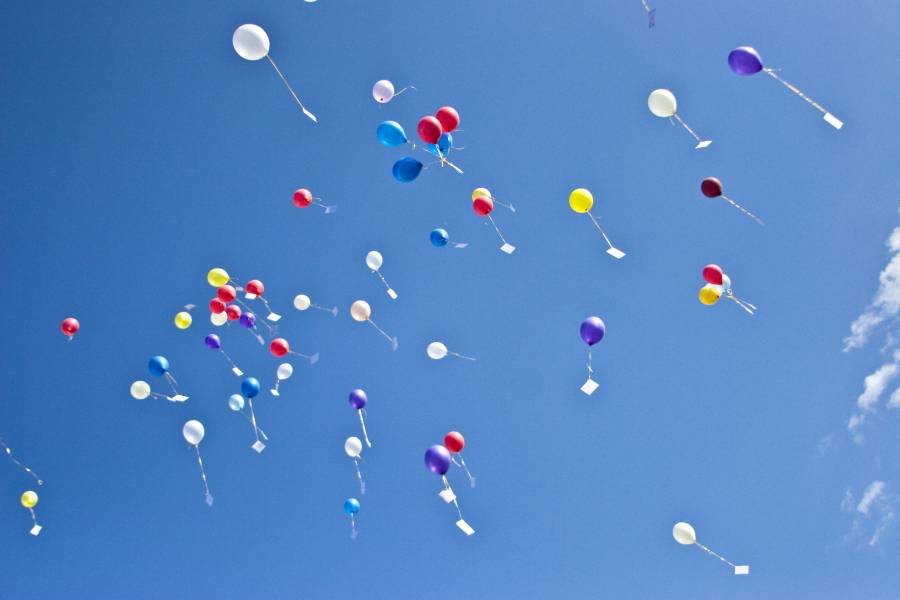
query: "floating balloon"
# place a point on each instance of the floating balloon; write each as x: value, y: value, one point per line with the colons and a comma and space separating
x: 710, y: 294
x: 302, y: 302
x: 440, y: 238
x: 361, y: 311
x: 391, y: 134
x: 712, y: 188
x: 383, y: 91
x: 406, y: 169
x: 429, y: 130
x: 250, y: 389
x: 236, y: 403
x: 651, y: 13
x: 358, y: 401
x: 255, y: 291
x: 279, y: 347
x: 662, y: 104
x: 374, y: 260
x: 437, y: 351
x: 29, y: 500
x: 218, y: 319
x: 248, y: 322
x: 351, y: 507
x: 592, y: 331
x: 448, y: 118
x: 213, y: 342
x: 217, y: 277
x: 283, y: 372
x: 482, y: 205
x: 21, y: 465
x: 443, y: 146
x: 233, y: 312
x: 70, y: 327
x: 486, y: 193
x: 183, y: 320
x: 745, y: 60
x: 194, y: 432
x: 437, y: 460
x: 455, y: 442
x: 140, y: 390
x: 353, y: 449
x: 226, y: 294
x: 684, y: 534
x: 252, y: 43
x: 581, y: 201
x: 216, y: 306
x: 303, y: 198
x: 717, y: 283
x: 159, y: 366
x: 713, y: 274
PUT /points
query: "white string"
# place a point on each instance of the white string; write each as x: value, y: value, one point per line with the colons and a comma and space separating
x: 600, y: 229
x: 312, y: 358
x: 362, y: 422
x: 209, y: 498
x: 171, y: 381
x: 497, y: 229
x: 742, y: 209
x: 590, y: 370
x: 228, y: 358
x: 33, y: 516
x: 719, y: 556
x: 259, y: 429
x: 409, y: 87
x: 362, y: 484
x: 455, y: 503
x: 291, y: 90
x: 456, y: 354
x: 253, y: 418
x: 383, y: 280
x: 689, y: 130
x: 381, y: 331
x: 466, y: 469
x: 353, y: 531
x: 24, y: 467
x: 771, y: 73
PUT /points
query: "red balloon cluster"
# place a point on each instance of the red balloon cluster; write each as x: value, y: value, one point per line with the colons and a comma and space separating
x: 255, y: 286
x: 445, y: 120
x: 219, y: 304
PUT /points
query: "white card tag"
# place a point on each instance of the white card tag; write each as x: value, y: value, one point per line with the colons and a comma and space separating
x: 742, y: 570
x: 615, y: 253
x: 590, y: 386
x: 460, y: 245
x: 392, y: 294
x: 273, y: 317
x: 466, y: 528
x: 508, y: 248
x: 258, y: 446
x: 250, y: 296
x: 330, y: 209
x: 702, y: 144
x: 237, y: 371
x: 35, y: 530
x: 394, y: 343
x: 833, y: 121
x: 447, y: 495
x: 274, y: 392
x: 209, y: 499
x: 178, y: 398
x: 310, y: 115
x: 314, y: 358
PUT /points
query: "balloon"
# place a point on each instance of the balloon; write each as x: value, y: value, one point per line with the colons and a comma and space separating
x: 430, y: 130
x: 213, y: 342
x: 236, y: 402
x: 284, y: 371
x: 226, y: 293
x: 483, y: 206
x: 662, y: 103
x: 302, y: 302
x: 140, y: 390
x: 436, y: 350
x: 592, y: 330
x: 233, y: 311
x: 255, y: 286
x: 29, y: 499
x: 217, y: 277
x: 351, y: 506
x: 684, y: 533
x: 302, y: 198
x: 218, y: 319
x: 216, y: 306
x: 439, y: 237
x: 406, y: 169
x: 279, y: 347
x: 383, y: 91
x: 437, y: 459
x: 711, y: 187
x: 250, y: 387
x: 726, y: 282
x: 250, y: 42
x: 391, y: 134
x: 744, y: 60
x: 248, y: 320
x: 710, y: 294
x: 448, y: 118
x: 360, y: 310
x: 445, y: 142
x: 374, y: 260
x: 358, y: 399
x: 158, y: 365
x: 353, y: 446
x: 480, y: 192
x: 183, y: 320
x: 581, y: 200
x: 712, y: 274
x: 454, y: 441
x: 193, y: 432
x: 70, y: 326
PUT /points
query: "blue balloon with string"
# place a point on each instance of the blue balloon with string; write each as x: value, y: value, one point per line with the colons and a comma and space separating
x: 391, y: 134
x: 406, y: 169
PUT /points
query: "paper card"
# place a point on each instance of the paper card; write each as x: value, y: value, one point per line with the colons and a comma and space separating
x: 209, y: 499
x: 460, y: 245
x: 447, y: 495
x: 703, y: 144
x: 273, y: 317
x: 250, y: 296
x: 590, y: 386
x: 310, y: 115
x: 652, y: 16
x: 314, y: 358
x: 237, y: 371
x: 508, y: 248
x: 330, y: 209
x: 742, y: 569
x: 334, y: 311
x: 833, y: 121
x: 258, y: 446
x: 35, y: 530
x: 178, y: 398
x: 274, y: 392
x: 466, y: 528
x: 512, y: 208
x: 392, y: 294
x: 615, y: 253
x: 394, y: 344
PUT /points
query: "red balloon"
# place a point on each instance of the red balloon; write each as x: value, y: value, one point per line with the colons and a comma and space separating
x: 216, y: 306
x: 448, y: 117
x: 70, y: 326
x: 483, y: 205
x: 279, y: 347
x: 255, y: 286
x: 454, y: 441
x: 226, y: 294
x: 711, y: 187
x: 712, y: 274
x: 233, y: 311
x: 430, y: 130
x: 302, y: 198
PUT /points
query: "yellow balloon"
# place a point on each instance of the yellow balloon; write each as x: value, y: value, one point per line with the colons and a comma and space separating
x: 183, y: 320
x: 709, y: 295
x: 29, y: 499
x: 581, y: 200
x: 217, y: 277
x: 481, y: 192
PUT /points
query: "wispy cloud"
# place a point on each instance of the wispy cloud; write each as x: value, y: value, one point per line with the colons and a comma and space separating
x: 873, y: 514
x: 886, y: 304
x: 873, y: 387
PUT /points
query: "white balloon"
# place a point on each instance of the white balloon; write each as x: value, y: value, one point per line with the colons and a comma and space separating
x: 140, y: 390
x: 374, y: 260
x: 302, y: 302
x: 383, y: 91
x: 436, y: 350
x: 284, y: 371
x: 193, y: 431
x: 726, y: 282
x: 250, y: 42
x: 236, y: 402
x: 662, y: 103
x: 684, y: 533
x: 218, y: 319
x: 353, y: 447
x: 360, y: 310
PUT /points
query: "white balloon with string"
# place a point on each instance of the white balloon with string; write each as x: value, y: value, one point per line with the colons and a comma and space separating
x: 437, y: 351
x: 303, y: 302
x: 362, y: 312
x: 685, y: 535
x: 140, y: 390
x: 383, y: 91
x: 353, y: 448
x: 283, y: 372
x: 194, y: 432
x: 662, y: 104
x: 374, y: 260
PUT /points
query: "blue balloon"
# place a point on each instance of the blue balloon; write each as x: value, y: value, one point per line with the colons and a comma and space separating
x: 351, y: 506
x: 158, y: 365
x: 250, y: 387
x: 391, y: 134
x: 439, y: 237
x: 444, y: 144
x: 406, y: 169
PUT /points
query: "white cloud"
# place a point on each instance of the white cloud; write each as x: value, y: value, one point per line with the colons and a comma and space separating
x: 874, y: 492
x: 874, y: 506
x: 873, y: 387
x: 887, y: 300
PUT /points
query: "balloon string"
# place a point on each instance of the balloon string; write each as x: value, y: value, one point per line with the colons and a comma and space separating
x: 327, y: 208
x: 253, y: 418
x: 24, y: 467
x: 600, y: 229
x: 291, y: 90
x: 455, y: 503
x: 353, y: 531
x: 158, y: 395
x: 466, y: 469
x: 745, y: 306
x: 261, y: 432
x: 209, y: 498
x: 383, y: 280
x: 590, y: 369
x: 689, y: 130
x: 772, y: 73
x: 228, y: 358
x: 172, y: 382
x: 313, y: 359
x: 710, y: 552
x: 33, y: 516
x: 381, y: 331
x: 456, y: 354
x: 362, y: 423
x: 497, y: 229
x: 277, y: 384
x: 742, y: 209
x: 362, y: 484
x: 504, y: 205
x: 409, y: 87
x: 255, y: 333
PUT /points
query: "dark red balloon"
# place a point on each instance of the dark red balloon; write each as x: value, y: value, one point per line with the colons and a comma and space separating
x: 711, y: 187
x: 70, y: 326
x: 233, y: 311
x: 430, y: 130
x: 712, y: 274
x: 483, y: 205
x: 216, y: 306
x: 255, y: 286
x: 454, y: 441
x: 302, y: 198
x: 448, y: 117
x: 279, y: 347
x: 226, y: 294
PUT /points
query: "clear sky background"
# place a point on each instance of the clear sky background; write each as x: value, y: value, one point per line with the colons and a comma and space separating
x: 139, y: 151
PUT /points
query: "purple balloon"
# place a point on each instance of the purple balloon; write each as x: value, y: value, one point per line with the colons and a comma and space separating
x: 437, y: 459
x: 745, y: 60
x: 248, y: 320
x: 592, y: 330
x: 213, y: 342
x: 358, y: 399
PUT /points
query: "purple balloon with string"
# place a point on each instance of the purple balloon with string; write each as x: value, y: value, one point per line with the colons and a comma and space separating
x: 592, y: 331
x: 248, y: 320
x: 213, y: 342
x: 358, y: 400
x: 437, y: 459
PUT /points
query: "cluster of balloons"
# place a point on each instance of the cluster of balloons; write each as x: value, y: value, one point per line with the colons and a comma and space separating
x: 440, y: 238
x: 194, y: 432
x: 592, y: 331
x: 383, y: 91
x: 437, y: 351
x: 70, y: 327
x: 717, y: 283
x: 483, y: 205
x: 374, y: 260
x: 434, y: 131
x: 362, y: 313
x: 685, y: 535
x: 438, y: 461
x: 712, y: 188
x: 303, y: 198
x: 581, y: 200
x: 662, y: 103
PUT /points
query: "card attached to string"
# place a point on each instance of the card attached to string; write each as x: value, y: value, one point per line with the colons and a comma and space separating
x: 447, y: 495
x: 392, y: 294
x: 589, y: 387
x: 35, y: 530
x: 833, y: 121
x: 742, y: 569
x: 177, y: 398
x: 237, y: 371
x: 615, y: 253
x: 508, y: 248
x: 465, y: 527
x: 702, y: 144
x: 258, y: 446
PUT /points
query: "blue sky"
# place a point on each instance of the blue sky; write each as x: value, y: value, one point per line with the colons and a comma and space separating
x: 140, y: 151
